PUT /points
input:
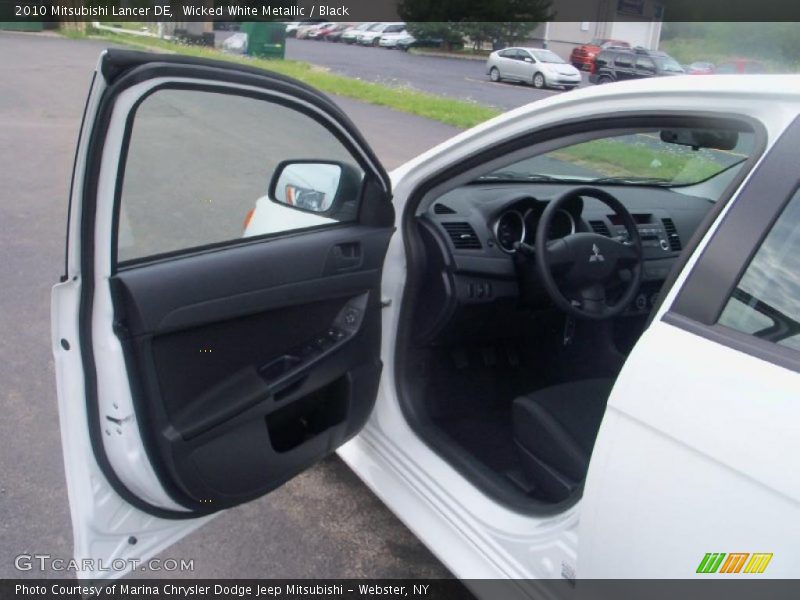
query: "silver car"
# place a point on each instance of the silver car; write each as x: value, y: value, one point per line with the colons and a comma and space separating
x: 539, y: 67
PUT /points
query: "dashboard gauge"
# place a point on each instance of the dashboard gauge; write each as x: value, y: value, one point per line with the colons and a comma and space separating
x: 509, y: 229
x: 561, y: 225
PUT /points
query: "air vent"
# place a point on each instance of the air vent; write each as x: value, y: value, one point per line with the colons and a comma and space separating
x: 441, y: 209
x: 463, y: 236
x: 600, y: 227
x: 672, y: 235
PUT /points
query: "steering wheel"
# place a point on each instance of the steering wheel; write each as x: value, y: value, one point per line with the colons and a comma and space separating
x: 587, y: 264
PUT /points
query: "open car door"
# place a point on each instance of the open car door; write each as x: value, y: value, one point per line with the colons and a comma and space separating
x: 218, y: 327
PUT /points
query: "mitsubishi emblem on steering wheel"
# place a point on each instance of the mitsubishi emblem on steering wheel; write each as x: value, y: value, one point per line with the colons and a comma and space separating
x: 596, y: 256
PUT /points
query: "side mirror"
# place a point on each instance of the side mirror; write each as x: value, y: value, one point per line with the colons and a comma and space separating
x: 314, y: 186
x: 528, y: 59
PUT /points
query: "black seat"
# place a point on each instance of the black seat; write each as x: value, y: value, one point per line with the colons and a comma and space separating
x: 554, y: 432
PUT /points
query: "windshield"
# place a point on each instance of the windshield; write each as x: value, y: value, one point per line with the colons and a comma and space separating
x: 546, y: 56
x: 632, y: 159
x: 667, y: 63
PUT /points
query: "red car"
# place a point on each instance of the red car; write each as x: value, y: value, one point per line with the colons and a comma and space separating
x: 582, y: 57
x: 741, y: 66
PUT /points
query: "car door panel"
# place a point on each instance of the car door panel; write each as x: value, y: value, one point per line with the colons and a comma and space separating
x: 222, y: 339
x: 201, y: 374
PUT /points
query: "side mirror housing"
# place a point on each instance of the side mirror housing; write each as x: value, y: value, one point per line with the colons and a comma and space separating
x: 320, y: 187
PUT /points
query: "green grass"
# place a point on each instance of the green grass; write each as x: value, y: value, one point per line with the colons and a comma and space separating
x: 616, y: 158
x: 438, y: 108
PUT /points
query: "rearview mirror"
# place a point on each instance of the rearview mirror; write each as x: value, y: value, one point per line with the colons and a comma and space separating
x: 313, y: 186
x: 718, y: 139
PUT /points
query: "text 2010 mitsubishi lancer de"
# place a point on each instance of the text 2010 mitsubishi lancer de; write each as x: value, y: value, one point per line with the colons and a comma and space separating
x: 564, y: 343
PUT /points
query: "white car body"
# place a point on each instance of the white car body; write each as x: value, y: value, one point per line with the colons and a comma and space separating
x: 373, y: 35
x: 389, y: 40
x: 526, y: 65
x: 350, y: 35
x: 626, y: 525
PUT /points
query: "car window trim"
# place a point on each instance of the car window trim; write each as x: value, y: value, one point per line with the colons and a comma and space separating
x: 759, y: 204
x: 708, y: 288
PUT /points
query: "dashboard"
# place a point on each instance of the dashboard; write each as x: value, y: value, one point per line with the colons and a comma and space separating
x: 475, y: 229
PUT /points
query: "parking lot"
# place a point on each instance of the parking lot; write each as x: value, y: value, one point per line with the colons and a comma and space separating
x: 325, y: 523
x: 461, y: 78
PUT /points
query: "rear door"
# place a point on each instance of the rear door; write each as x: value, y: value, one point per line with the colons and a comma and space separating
x: 218, y: 327
x: 694, y: 472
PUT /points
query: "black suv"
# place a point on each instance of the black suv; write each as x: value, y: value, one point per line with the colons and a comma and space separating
x: 619, y: 64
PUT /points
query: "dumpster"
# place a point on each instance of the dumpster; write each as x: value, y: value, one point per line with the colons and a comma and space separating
x: 265, y: 39
x: 22, y: 25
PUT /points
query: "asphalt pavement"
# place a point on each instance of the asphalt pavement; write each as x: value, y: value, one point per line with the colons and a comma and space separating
x: 461, y: 78
x: 324, y: 523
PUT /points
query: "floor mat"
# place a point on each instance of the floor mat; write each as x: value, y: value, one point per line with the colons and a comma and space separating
x: 489, y: 438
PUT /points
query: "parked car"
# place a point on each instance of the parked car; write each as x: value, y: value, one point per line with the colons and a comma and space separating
x: 551, y: 356
x: 740, y: 66
x: 410, y: 41
x: 619, y: 65
x: 336, y: 34
x: 536, y: 66
x: 390, y: 39
x: 349, y: 36
x: 303, y: 31
x: 291, y: 28
x: 699, y: 68
x: 321, y: 33
x: 582, y: 57
x: 372, y: 36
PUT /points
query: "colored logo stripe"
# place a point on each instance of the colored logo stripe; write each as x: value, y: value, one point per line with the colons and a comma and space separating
x: 713, y: 562
x: 758, y: 563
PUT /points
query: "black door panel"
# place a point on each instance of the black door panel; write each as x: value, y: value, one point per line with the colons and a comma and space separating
x: 252, y: 362
x: 243, y: 279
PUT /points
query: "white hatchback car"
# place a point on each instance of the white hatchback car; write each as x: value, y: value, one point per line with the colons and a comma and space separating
x: 563, y: 344
x: 539, y: 67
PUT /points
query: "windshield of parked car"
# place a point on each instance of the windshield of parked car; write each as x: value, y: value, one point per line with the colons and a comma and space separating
x: 394, y: 28
x: 667, y: 63
x: 632, y: 159
x: 546, y: 56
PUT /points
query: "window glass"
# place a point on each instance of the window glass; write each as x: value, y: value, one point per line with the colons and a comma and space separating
x: 646, y: 64
x: 200, y: 164
x: 766, y: 301
x: 623, y: 60
x: 641, y: 158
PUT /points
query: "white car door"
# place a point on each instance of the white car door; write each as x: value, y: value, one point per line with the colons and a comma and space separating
x: 198, y: 369
x: 694, y: 473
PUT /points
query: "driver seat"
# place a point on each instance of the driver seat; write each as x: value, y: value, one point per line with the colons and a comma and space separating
x: 554, y: 433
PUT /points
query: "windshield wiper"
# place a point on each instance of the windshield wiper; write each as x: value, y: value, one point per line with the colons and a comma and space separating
x: 634, y: 181
x: 522, y: 177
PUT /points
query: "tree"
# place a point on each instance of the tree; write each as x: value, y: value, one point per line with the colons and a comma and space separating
x: 480, y: 20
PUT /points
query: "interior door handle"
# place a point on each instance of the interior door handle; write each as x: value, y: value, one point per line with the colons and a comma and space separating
x: 347, y: 255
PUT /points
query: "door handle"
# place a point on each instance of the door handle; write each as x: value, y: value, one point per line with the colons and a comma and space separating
x: 347, y: 256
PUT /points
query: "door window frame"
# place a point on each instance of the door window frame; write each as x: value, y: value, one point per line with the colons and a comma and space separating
x: 705, y: 293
